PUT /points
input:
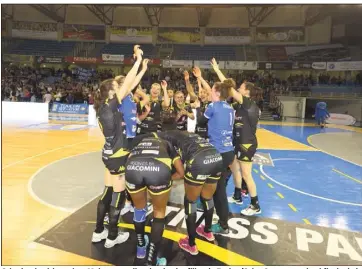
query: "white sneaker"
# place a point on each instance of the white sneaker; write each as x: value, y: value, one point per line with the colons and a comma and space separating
x: 232, y: 200
x: 121, y: 238
x: 99, y: 237
x: 127, y: 208
x: 251, y: 211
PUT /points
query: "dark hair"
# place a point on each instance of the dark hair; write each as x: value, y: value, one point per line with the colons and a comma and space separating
x: 254, y: 91
x: 224, y: 88
x: 102, y: 94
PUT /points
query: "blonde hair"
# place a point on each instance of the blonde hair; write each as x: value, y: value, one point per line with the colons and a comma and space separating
x: 156, y: 85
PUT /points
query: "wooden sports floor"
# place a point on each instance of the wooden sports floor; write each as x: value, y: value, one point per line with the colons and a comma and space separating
x: 24, y: 219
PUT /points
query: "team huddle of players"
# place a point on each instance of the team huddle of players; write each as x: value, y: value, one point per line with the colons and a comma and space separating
x: 147, y: 146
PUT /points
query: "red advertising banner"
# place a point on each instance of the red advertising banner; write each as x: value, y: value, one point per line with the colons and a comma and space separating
x: 84, y: 32
x: 277, y: 54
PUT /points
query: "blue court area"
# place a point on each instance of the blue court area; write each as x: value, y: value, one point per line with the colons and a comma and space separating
x: 300, y: 133
x: 309, y: 187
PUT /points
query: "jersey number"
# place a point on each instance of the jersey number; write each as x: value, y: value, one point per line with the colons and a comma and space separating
x: 231, y: 119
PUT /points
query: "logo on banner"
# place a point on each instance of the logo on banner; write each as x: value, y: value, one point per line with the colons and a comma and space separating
x: 113, y: 57
x: 85, y: 59
x: 319, y: 65
x: 71, y: 109
x: 42, y: 59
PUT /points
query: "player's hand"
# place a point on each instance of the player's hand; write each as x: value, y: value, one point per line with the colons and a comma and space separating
x: 196, y: 71
x: 148, y: 108
x: 144, y: 64
x: 137, y: 52
x: 164, y: 85
x: 197, y: 103
x: 214, y: 64
x: 186, y: 75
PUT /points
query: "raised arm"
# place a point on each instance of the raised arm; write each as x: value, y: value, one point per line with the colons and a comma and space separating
x: 189, y: 87
x: 122, y: 91
x: 217, y: 70
x: 145, y: 98
x: 197, y: 73
x: 166, y: 98
x: 139, y: 76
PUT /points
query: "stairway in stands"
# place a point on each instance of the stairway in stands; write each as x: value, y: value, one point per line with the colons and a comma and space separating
x: 266, y: 114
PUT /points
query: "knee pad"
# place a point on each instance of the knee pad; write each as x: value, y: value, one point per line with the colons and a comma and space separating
x: 207, y: 204
x: 140, y: 214
x: 107, y: 194
x: 190, y: 207
x: 118, y: 199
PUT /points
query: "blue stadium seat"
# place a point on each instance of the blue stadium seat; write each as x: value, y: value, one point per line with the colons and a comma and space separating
x: 43, y: 48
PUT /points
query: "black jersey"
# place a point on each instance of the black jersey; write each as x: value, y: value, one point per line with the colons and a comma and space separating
x: 201, y: 128
x: 113, y: 127
x: 153, y: 120
x: 181, y: 123
x: 246, y: 121
x: 188, y: 144
x: 153, y: 147
x: 168, y: 118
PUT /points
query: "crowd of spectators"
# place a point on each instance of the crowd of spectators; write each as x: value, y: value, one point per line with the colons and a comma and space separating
x: 66, y: 86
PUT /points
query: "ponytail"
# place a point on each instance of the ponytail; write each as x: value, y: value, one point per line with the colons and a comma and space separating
x: 224, y: 88
x: 102, y: 94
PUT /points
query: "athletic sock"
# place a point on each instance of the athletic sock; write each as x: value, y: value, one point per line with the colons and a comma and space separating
x: 103, y: 207
x: 237, y: 193
x: 255, y: 202
x: 140, y: 232
x: 155, y: 239
x: 191, y: 227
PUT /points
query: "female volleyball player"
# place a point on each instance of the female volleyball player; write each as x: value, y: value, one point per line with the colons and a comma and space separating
x: 219, y: 116
x: 203, y: 169
x: 152, y: 122
x: 245, y: 142
x: 149, y: 168
x: 114, y: 152
x: 183, y: 111
x: 205, y: 100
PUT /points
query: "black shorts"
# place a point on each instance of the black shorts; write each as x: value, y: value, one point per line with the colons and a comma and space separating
x: 116, y: 163
x: 205, y: 166
x: 227, y: 159
x: 245, y: 152
x: 148, y: 173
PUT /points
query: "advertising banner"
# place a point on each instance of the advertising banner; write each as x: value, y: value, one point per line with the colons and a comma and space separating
x: 131, y: 34
x: 179, y: 35
x: 275, y: 66
x: 207, y: 64
x: 130, y: 61
x: 277, y: 54
x: 84, y: 32
x: 227, y: 36
x: 34, y: 30
x: 341, y: 119
x: 42, y: 59
x: 70, y: 108
x: 319, y: 65
x: 344, y: 66
x: 238, y: 65
x: 90, y: 60
x: 15, y: 58
x: 113, y: 58
x: 177, y: 64
x: 280, y: 35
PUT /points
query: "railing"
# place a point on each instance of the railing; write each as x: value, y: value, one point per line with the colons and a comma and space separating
x: 320, y: 94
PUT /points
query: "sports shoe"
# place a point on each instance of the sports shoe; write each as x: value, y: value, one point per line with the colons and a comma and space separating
x: 127, y: 208
x: 98, y: 237
x: 121, y: 238
x: 201, y: 232
x: 184, y: 244
x: 234, y: 200
x: 251, y: 211
x: 217, y: 229
x: 161, y: 261
x: 141, y: 251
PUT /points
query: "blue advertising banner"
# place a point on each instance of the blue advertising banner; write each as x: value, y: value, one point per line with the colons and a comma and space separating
x: 70, y: 108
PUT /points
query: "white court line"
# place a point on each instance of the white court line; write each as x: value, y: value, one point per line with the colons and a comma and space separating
x: 37, y: 198
x: 46, y: 152
x: 326, y: 152
x: 301, y: 192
